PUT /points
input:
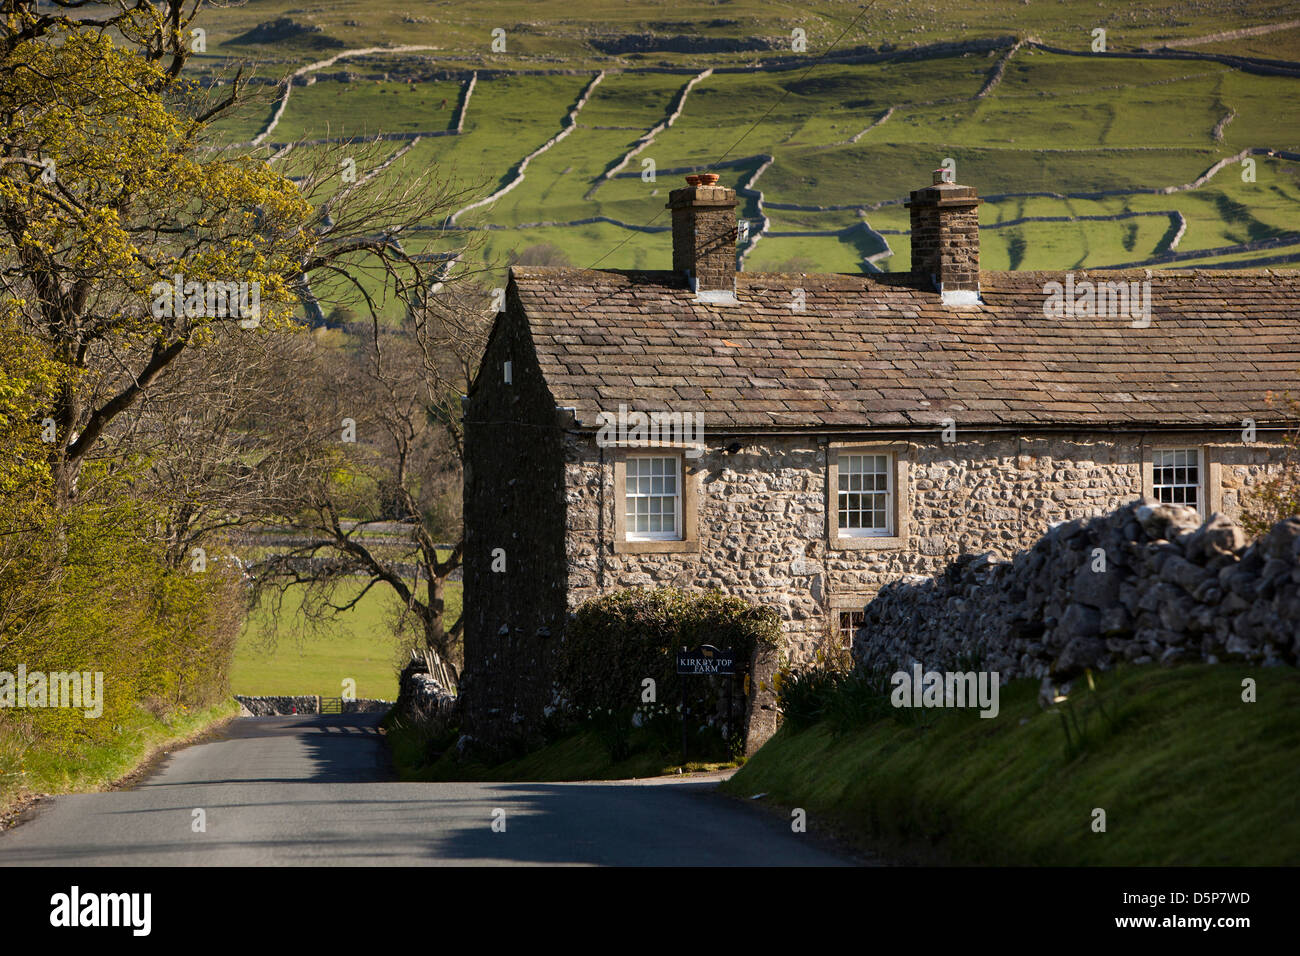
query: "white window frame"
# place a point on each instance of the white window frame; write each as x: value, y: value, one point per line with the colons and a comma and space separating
x: 899, y: 454
x: 853, y: 629
x: 678, y: 532
x: 1201, y: 485
x: 890, y: 508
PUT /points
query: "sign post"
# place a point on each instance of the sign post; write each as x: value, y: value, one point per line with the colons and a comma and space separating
x: 702, y: 661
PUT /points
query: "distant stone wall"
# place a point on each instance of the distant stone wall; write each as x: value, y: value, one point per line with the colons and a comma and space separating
x: 278, y: 706
x: 366, y: 705
x: 287, y: 706
x: 1146, y: 583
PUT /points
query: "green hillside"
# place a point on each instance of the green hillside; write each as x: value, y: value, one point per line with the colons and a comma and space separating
x: 1085, y: 159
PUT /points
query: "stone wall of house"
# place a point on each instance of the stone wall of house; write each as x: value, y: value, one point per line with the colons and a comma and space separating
x: 762, y: 515
x: 1145, y: 583
x: 514, y: 543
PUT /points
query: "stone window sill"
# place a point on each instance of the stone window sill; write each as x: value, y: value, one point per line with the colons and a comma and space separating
x: 867, y: 543
x: 624, y: 546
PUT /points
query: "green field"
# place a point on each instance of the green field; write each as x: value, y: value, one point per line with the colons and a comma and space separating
x: 1060, y: 136
x: 544, y: 33
x: 309, y: 657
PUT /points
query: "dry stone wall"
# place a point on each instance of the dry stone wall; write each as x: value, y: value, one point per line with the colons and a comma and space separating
x: 288, y: 706
x: 423, y: 700
x: 1145, y: 583
x: 278, y: 706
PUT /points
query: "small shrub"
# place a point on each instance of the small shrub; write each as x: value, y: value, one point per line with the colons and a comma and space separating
x: 803, y: 695
x: 842, y: 700
x: 861, y: 698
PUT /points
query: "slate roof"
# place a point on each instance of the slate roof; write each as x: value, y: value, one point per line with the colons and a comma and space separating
x: 879, y: 350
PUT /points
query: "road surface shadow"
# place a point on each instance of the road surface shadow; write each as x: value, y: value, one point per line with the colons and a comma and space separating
x: 606, y: 824
x: 307, y: 748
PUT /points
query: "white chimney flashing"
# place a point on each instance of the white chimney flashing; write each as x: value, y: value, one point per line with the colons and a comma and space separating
x: 960, y: 298
x: 716, y: 297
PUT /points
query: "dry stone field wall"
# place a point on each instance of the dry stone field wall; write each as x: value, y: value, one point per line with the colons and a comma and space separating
x: 288, y: 706
x: 1145, y: 583
x: 423, y: 700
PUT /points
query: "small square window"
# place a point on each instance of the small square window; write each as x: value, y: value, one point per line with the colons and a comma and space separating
x: 850, y: 621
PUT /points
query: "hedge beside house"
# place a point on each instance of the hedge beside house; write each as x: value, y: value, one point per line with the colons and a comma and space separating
x: 617, y: 642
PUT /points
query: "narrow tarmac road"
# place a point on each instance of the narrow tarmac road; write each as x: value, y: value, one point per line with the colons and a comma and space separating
x: 317, y: 791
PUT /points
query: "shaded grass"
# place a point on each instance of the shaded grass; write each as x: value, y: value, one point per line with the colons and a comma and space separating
x: 577, y: 756
x: 1191, y: 775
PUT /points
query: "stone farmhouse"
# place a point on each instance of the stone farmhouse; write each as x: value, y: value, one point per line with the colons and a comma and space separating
x: 826, y: 434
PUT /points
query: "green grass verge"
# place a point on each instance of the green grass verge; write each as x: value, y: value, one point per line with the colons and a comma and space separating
x: 578, y: 756
x: 1189, y: 775
x: 96, y: 767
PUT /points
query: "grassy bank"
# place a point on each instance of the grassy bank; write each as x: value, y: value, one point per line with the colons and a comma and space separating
x: 97, y: 766
x: 1186, y: 772
x: 577, y: 756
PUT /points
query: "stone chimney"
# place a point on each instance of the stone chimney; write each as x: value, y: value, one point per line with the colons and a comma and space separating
x: 946, y: 239
x: 704, y: 237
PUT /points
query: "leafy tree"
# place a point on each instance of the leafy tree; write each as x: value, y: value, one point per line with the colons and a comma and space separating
x: 114, y: 190
x: 104, y: 193
x: 28, y: 379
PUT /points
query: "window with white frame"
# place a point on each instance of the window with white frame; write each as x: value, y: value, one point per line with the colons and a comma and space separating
x: 1176, y: 476
x: 866, y: 495
x: 653, y: 498
x: 850, y: 621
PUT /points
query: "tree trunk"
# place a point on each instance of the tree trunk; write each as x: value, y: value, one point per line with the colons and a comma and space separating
x: 435, y: 633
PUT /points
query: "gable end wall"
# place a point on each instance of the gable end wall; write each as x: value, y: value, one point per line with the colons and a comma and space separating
x: 514, y: 501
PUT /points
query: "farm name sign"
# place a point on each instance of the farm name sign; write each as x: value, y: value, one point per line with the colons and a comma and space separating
x: 706, y: 660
